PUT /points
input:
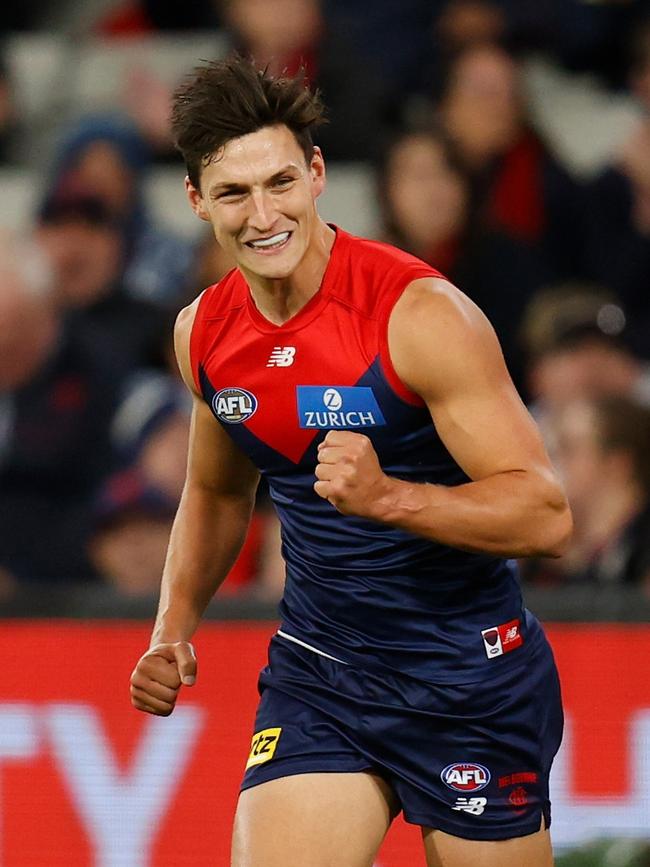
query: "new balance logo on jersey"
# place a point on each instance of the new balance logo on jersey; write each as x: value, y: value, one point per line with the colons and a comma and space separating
x: 475, y: 806
x: 282, y: 356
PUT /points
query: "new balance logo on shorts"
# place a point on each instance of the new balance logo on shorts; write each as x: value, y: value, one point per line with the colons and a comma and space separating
x: 475, y: 806
x: 282, y: 356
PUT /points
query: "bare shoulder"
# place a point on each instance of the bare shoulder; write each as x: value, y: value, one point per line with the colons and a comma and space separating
x: 182, y: 335
x: 436, y: 303
x: 439, y: 338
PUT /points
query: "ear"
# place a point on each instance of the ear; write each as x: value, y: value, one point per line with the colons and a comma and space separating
x: 195, y: 199
x: 317, y: 171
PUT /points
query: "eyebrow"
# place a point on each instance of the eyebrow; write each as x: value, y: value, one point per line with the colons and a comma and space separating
x: 234, y: 186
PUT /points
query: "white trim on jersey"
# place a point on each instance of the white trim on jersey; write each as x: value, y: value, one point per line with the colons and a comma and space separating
x: 308, y: 646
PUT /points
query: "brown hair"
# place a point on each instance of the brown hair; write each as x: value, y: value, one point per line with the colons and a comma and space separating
x: 226, y: 99
x: 624, y: 424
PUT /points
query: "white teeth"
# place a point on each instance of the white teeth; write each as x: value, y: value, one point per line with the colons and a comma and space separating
x: 270, y: 242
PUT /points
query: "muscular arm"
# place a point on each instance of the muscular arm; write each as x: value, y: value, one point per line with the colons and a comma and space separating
x: 444, y: 349
x: 212, y: 517
x: 207, y: 534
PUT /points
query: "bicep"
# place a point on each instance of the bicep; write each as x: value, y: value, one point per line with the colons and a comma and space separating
x: 214, y: 461
x: 444, y: 349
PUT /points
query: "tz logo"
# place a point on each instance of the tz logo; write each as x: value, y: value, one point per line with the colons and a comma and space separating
x: 263, y: 746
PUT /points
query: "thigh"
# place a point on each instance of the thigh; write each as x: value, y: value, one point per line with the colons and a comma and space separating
x: 316, y: 820
x: 473, y: 760
x: 444, y: 850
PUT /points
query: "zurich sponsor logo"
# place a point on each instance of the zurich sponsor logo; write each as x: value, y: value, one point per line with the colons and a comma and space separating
x: 465, y: 777
x: 344, y: 406
x: 234, y: 405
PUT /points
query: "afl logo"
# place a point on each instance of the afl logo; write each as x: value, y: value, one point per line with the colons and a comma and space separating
x: 332, y: 399
x: 465, y: 777
x: 234, y: 405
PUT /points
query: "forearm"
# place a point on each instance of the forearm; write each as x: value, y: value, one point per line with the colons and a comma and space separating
x: 206, y: 537
x: 509, y: 514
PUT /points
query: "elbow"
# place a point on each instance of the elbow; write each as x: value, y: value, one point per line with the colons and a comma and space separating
x: 563, y: 530
x: 555, y: 531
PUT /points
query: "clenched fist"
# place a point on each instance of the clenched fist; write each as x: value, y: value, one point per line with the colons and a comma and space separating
x: 159, y: 674
x: 349, y: 475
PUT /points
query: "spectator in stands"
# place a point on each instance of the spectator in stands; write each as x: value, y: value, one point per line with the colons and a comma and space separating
x: 129, y: 541
x: 143, y: 17
x: 8, y: 114
x: 150, y: 432
x: 105, y: 157
x: 287, y: 35
x: 603, y: 453
x: 426, y: 196
x: 617, y: 210
x: 578, y: 360
x: 574, y: 336
x: 136, y: 506
x: 56, y: 402
x: 520, y: 187
x: 211, y: 263
x: 134, y: 512
x: 581, y: 36
x: 86, y: 246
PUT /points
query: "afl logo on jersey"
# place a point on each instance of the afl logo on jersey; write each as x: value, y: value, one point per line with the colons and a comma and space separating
x: 234, y: 405
x: 465, y: 777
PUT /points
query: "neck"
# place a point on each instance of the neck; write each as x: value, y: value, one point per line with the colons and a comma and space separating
x: 280, y: 299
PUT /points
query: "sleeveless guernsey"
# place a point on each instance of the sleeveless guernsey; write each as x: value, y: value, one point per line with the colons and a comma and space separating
x: 356, y: 590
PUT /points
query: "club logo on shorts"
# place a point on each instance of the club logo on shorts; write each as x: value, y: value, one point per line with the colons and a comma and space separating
x: 234, y: 405
x: 342, y: 406
x: 465, y: 777
x: 474, y: 806
x: 263, y: 746
x: 518, y: 799
x: 518, y: 779
x: 498, y: 640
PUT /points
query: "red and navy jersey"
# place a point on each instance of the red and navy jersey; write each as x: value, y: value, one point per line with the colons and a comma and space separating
x: 357, y: 590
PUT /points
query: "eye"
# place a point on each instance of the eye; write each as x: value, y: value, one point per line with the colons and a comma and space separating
x: 284, y: 182
x: 230, y: 196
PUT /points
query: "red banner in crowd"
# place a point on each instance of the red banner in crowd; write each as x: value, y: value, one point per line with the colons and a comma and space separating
x: 86, y: 780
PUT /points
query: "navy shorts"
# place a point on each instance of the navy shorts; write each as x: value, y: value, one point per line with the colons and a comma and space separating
x: 470, y: 759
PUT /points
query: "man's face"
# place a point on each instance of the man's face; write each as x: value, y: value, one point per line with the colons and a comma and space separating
x: 259, y: 195
x: 86, y: 259
x: 579, y: 456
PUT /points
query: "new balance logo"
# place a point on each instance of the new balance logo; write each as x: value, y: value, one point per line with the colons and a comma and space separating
x: 475, y: 806
x: 282, y: 356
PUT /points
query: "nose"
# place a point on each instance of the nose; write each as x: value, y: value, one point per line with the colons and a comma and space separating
x: 264, y: 214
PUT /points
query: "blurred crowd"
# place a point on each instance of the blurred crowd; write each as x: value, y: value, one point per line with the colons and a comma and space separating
x: 93, y: 416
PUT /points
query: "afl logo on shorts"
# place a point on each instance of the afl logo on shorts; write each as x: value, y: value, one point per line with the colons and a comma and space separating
x: 234, y: 405
x: 465, y: 777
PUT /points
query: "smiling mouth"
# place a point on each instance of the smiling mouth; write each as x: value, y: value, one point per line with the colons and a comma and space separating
x: 274, y: 242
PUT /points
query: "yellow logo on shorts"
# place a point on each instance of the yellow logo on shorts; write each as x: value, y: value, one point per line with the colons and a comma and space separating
x: 263, y: 746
